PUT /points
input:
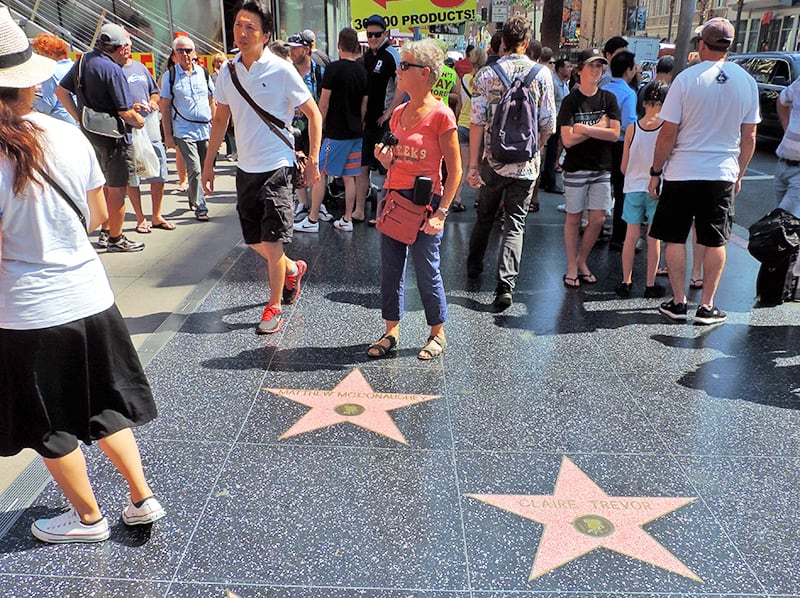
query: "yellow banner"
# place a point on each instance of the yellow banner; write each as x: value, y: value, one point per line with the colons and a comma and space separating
x: 146, y: 58
x: 406, y: 14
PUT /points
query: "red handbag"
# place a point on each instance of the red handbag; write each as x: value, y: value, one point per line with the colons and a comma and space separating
x: 401, y: 219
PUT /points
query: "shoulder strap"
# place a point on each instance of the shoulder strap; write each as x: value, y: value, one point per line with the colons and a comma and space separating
x: 173, y: 72
x: 62, y: 193
x: 271, y: 121
x: 531, y: 75
x: 466, y: 90
x: 501, y: 74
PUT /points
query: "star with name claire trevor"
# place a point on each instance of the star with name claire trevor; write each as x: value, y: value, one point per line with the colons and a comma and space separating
x: 351, y: 401
x: 579, y: 517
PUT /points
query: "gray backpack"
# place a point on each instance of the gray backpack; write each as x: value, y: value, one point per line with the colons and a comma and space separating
x: 514, y: 137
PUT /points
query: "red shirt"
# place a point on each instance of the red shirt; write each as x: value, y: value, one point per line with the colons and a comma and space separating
x: 463, y: 67
x: 417, y: 152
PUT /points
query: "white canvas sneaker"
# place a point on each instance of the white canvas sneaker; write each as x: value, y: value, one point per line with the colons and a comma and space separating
x: 150, y: 511
x: 300, y: 212
x: 324, y: 214
x: 67, y: 528
x: 344, y: 225
x: 306, y: 226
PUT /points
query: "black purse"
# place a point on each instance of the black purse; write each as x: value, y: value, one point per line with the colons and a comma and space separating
x: 97, y: 123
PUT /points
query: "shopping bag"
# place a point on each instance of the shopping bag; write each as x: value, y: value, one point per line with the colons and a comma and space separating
x: 144, y: 156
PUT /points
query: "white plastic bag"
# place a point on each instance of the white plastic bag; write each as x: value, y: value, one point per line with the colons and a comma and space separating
x: 152, y: 125
x: 144, y: 156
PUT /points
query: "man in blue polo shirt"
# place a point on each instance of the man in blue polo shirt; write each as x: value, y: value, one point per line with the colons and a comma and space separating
x: 103, y: 88
x: 187, y: 107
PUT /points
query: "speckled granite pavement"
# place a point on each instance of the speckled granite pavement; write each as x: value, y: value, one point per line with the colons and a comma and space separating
x: 574, y: 445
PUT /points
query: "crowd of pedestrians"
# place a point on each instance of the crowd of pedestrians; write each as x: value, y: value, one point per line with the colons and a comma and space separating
x: 405, y: 127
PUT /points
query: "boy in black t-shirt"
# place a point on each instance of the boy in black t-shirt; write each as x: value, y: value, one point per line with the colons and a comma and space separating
x: 589, y: 121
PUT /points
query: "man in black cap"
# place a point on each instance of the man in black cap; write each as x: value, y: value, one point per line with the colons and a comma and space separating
x: 103, y: 87
x: 381, y: 61
x: 319, y: 57
x: 707, y: 140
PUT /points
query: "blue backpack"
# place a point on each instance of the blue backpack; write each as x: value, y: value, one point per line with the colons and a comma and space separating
x: 515, y: 126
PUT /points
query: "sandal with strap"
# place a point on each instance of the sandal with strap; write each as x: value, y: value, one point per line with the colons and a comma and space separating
x: 380, y: 348
x: 435, y: 347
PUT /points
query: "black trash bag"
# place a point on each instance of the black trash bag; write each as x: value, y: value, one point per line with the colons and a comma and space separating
x: 775, y: 238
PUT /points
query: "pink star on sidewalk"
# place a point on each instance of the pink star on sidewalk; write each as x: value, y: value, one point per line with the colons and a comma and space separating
x: 351, y: 401
x: 579, y: 517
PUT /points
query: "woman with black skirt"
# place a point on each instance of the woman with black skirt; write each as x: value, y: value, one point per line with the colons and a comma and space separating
x: 68, y: 370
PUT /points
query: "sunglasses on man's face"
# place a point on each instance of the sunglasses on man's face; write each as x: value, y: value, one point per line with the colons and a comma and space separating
x: 404, y: 66
x: 184, y: 50
x: 375, y: 34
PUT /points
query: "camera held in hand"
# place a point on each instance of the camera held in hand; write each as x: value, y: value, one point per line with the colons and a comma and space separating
x: 389, y: 140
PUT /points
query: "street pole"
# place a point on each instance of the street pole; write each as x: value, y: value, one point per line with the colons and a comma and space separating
x: 671, y: 17
x: 684, y: 35
x: 739, y: 6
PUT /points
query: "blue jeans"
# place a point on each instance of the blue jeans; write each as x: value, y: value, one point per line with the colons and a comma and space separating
x: 787, y: 187
x: 425, y: 253
x: 194, y: 155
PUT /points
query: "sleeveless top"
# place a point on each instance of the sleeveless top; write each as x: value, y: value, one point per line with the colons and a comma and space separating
x: 640, y: 159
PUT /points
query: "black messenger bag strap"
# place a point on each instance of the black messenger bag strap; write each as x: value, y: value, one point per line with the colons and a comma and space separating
x: 62, y: 193
x: 271, y: 121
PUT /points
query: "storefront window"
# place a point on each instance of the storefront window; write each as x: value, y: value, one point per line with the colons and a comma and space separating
x: 788, y: 34
x: 295, y: 15
x: 753, y: 38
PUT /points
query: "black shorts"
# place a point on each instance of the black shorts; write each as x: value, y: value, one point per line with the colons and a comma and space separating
x: 116, y: 160
x: 709, y: 204
x: 78, y: 381
x: 372, y: 136
x: 265, y: 206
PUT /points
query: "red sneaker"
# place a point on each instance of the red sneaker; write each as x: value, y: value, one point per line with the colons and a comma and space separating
x: 291, y: 284
x: 271, y: 320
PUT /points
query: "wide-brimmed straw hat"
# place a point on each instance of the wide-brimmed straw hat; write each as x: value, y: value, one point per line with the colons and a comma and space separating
x: 19, y: 66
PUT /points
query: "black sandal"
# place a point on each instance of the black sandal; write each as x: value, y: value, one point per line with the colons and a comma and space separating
x: 435, y: 347
x: 380, y: 349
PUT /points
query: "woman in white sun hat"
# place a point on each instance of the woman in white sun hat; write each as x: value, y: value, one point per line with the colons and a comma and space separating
x: 68, y: 370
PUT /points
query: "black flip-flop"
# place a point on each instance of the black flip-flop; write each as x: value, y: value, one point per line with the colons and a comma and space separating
x: 572, y: 283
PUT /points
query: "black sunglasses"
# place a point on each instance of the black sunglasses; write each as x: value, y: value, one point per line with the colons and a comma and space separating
x: 375, y: 33
x: 184, y: 50
x: 404, y: 66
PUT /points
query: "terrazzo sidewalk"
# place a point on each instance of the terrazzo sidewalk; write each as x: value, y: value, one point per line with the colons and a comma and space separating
x: 574, y: 445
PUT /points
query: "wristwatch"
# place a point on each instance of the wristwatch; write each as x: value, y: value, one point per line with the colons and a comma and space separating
x: 654, y: 172
x: 443, y: 211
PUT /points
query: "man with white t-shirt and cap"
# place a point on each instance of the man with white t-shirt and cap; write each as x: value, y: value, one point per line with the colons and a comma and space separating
x: 706, y: 142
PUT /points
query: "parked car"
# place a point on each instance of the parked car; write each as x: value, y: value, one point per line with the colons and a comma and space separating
x: 772, y: 71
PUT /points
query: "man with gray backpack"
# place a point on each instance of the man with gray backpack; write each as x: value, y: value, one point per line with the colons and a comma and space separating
x: 513, y: 114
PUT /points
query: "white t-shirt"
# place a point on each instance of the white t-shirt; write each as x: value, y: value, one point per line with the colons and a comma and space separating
x: 50, y: 273
x: 789, y: 148
x: 277, y: 87
x: 709, y: 102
